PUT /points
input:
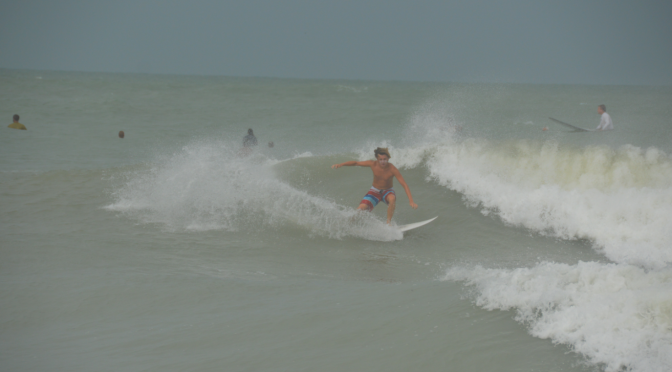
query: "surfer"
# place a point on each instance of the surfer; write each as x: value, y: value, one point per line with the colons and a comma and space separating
x: 383, y: 173
x: 250, y: 139
x: 16, y: 124
x: 605, y: 121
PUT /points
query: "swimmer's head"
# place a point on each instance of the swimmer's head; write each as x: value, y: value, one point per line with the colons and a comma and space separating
x: 15, y: 117
x: 249, y: 131
x: 121, y: 134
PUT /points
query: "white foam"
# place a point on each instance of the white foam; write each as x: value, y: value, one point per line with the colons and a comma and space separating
x: 618, y: 316
x: 207, y: 186
x: 619, y: 199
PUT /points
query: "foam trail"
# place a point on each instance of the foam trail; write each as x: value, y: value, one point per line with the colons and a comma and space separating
x: 617, y: 316
x: 206, y: 186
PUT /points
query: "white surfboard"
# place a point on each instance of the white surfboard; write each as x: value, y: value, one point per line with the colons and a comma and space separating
x: 412, y: 226
x: 576, y: 129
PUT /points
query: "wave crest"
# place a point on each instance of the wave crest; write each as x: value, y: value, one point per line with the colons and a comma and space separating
x: 619, y: 199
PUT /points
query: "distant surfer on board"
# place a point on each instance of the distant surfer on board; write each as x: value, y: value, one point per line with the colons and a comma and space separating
x: 605, y: 120
x: 383, y: 173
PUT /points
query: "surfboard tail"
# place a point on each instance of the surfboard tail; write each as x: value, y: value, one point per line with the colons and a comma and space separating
x: 412, y: 226
x: 576, y: 129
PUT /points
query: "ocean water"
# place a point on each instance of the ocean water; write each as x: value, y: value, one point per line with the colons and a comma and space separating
x: 170, y: 251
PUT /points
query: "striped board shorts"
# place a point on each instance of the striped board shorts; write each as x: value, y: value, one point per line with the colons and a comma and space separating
x: 375, y: 196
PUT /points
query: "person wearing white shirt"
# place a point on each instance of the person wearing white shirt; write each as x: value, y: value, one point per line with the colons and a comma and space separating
x: 605, y: 121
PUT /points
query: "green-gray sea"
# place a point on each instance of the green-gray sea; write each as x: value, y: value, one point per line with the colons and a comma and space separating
x: 173, y: 250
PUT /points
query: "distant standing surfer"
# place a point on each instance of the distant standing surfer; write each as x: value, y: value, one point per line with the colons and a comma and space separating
x: 249, y: 140
x: 383, y: 173
x: 605, y: 121
x: 16, y: 124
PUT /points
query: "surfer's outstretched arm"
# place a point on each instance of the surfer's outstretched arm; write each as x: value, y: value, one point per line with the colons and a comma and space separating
x: 351, y: 163
x: 402, y: 182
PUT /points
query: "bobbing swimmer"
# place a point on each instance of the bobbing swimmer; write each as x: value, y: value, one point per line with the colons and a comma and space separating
x: 16, y: 124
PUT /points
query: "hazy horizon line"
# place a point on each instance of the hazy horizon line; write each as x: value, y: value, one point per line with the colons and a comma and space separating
x: 328, y: 79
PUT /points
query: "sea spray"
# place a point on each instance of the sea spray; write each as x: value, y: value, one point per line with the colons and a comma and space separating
x: 209, y: 186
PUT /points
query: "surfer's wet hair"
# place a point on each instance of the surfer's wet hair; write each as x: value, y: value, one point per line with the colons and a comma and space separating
x: 249, y: 131
x: 603, y: 107
x: 15, y: 117
x: 381, y: 151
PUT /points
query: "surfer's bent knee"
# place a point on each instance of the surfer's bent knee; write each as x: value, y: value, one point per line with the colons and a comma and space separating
x: 363, y: 207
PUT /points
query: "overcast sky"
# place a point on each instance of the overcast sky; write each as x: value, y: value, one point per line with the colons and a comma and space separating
x: 574, y: 42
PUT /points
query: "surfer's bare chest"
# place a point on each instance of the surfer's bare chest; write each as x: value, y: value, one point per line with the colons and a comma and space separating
x: 382, y: 177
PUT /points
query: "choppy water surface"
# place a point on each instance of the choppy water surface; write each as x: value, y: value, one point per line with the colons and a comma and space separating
x: 168, y: 250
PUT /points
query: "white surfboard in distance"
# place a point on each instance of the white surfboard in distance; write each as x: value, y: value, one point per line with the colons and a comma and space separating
x: 412, y: 226
x: 576, y: 129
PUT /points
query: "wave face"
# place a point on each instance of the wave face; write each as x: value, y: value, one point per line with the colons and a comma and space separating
x: 618, y: 316
x: 209, y: 186
x: 619, y: 199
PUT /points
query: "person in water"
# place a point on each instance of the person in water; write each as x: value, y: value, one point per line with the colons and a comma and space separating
x: 16, y: 124
x: 383, y: 173
x: 605, y: 121
x: 250, y: 139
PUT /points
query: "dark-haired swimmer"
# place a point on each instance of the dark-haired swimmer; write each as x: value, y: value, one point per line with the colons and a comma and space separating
x: 16, y: 124
x: 383, y: 174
